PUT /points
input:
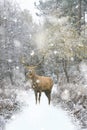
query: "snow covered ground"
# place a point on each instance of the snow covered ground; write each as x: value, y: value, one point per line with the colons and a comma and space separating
x: 40, y: 116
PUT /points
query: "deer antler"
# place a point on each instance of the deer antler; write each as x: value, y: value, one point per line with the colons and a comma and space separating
x: 23, y: 61
x: 31, y: 66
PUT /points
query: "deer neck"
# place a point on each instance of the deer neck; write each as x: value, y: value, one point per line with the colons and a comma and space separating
x: 34, y: 78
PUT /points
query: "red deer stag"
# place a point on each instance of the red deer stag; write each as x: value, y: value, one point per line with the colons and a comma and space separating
x: 39, y: 83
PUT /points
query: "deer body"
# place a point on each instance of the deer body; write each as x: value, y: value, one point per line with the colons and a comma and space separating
x: 40, y: 84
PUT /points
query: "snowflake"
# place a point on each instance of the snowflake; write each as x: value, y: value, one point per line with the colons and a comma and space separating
x: 15, y: 20
x: 37, y: 81
x: 17, y: 43
x: 55, y: 52
x: 32, y: 53
x: 65, y: 95
x: 72, y: 59
x: 9, y: 60
x: 17, y: 67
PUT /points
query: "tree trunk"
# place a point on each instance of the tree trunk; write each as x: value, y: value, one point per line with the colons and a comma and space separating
x: 79, y: 16
x: 84, y: 11
x: 64, y: 62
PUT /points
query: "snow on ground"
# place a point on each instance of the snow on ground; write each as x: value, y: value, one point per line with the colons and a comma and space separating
x: 40, y: 116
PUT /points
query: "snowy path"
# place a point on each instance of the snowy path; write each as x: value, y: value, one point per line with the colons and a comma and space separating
x: 40, y: 116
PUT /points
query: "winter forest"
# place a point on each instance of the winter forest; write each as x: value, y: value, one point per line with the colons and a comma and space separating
x: 52, y: 37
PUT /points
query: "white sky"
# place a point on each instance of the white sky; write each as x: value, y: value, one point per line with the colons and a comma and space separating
x: 29, y: 4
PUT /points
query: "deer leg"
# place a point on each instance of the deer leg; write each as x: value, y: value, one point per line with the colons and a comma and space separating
x: 48, y: 94
x: 39, y: 96
x: 49, y: 97
x: 36, y: 96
